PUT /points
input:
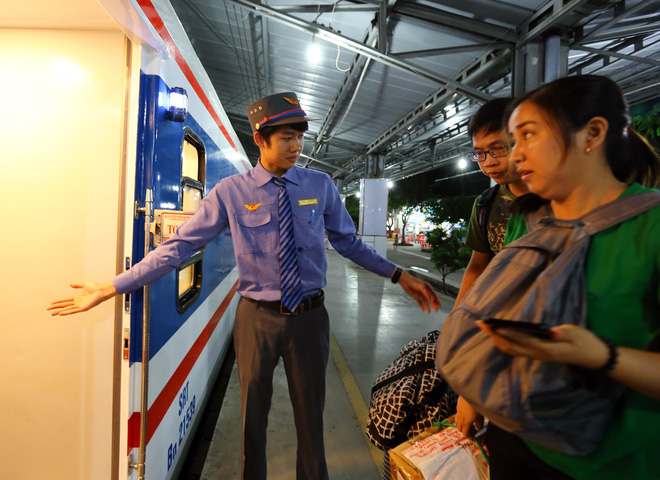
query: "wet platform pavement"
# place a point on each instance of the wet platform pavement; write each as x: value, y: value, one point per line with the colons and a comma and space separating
x: 370, y: 320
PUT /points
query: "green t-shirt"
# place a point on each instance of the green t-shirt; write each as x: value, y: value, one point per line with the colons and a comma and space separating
x: 623, y: 304
x: 496, y: 228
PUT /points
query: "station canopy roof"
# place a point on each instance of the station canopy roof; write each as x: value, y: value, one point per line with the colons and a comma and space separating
x: 398, y: 80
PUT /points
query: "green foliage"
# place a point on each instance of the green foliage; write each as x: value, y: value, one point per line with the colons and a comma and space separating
x: 352, y: 204
x: 648, y: 125
x: 405, y: 215
x: 401, y: 200
x: 450, y: 209
x: 396, y: 201
x: 448, y: 253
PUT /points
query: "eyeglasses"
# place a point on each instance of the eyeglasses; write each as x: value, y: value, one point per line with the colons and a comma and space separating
x: 494, y: 152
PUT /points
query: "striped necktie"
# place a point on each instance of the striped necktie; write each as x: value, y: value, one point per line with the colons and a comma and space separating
x: 289, y: 276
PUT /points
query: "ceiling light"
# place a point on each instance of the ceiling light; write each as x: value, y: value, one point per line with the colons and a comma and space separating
x: 390, y: 184
x: 314, y: 52
x: 462, y: 164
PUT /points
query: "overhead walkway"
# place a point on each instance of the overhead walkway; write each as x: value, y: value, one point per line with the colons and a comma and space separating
x: 371, y: 319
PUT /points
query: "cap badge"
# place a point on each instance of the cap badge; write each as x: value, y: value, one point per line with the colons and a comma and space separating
x: 292, y: 101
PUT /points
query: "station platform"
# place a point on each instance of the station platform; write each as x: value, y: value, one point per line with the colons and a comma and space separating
x: 370, y: 320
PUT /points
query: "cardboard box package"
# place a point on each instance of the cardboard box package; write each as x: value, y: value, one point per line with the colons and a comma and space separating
x: 439, y: 454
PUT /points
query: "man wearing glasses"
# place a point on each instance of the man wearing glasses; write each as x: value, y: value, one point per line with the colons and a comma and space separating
x: 489, y: 219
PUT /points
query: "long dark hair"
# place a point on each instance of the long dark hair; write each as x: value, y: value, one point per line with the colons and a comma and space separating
x: 570, y: 103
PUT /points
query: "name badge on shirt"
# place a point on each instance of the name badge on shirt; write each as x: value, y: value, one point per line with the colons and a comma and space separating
x: 309, y: 201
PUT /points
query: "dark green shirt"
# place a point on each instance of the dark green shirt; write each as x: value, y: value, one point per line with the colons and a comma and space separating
x: 623, y: 304
x: 497, y: 220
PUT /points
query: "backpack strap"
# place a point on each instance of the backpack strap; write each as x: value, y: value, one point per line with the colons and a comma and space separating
x: 484, y: 205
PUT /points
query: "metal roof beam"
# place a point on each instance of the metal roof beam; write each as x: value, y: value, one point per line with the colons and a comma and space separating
x: 328, y: 8
x: 623, y: 56
x: 622, y: 32
x: 347, y: 87
x: 441, y: 97
x: 579, y: 65
x: 616, y: 19
x: 475, y: 28
x: 550, y: 15
x: 653, y: 83
x: 381, y: 17
x: 328, y: 164
x: 215, y: 31
x: 431, y: 52
x: 350, y: 44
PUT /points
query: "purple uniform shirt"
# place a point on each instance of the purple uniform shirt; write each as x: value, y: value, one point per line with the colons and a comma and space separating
x: 247, y: 204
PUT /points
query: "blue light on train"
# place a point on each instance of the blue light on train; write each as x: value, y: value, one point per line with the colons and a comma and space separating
x: 178, y: 104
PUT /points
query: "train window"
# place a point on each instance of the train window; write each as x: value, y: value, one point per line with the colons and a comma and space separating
x: 193, y: 168
x: 190, y: 163
x: 191, y: 197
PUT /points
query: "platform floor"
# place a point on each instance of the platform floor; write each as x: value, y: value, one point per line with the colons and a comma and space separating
x: 370, y: 319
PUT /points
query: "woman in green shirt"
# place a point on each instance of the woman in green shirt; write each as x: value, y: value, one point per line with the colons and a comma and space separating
x: 574, y: 146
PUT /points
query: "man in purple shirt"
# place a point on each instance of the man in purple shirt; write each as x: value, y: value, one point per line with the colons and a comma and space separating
x: 264, y: 329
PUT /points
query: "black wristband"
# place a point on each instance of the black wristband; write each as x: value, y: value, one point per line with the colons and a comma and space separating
x: 612, y: 359
x: 397, y: 273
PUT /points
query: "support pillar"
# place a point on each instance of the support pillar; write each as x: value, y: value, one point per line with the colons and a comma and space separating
x: 373, y: 205
x: 539, y: 62
x: 527, y: 68
x: 374, y: 166
x: 373, y: 214
x: 556, y: 58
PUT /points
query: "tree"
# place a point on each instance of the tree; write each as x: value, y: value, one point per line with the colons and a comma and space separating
x: 448, y: 253
x: 352, y: 204
x: 401, y: 201
x: 405, y: 215
x: 449, y: 209
x: 648, y: 126
x: 389, y: 223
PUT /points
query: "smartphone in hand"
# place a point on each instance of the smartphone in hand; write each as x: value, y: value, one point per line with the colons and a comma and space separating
x: 535, y: 329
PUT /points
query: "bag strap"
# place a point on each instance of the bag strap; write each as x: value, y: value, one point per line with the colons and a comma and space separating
x: 411, y: 370
x: 618, y: 211
x: 532, y: 219
x: 600, y: 218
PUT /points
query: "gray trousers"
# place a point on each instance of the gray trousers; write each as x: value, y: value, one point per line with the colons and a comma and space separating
x: 261, y: 337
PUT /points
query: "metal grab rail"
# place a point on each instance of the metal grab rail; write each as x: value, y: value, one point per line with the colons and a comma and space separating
x: 140, y: 466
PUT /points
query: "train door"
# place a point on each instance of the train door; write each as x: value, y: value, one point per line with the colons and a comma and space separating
x: 185, y: 318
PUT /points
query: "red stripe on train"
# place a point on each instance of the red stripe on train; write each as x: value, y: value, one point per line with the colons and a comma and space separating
x: 169, y: 392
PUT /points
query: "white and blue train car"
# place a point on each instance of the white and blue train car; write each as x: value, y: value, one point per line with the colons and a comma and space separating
x: 100, y: 164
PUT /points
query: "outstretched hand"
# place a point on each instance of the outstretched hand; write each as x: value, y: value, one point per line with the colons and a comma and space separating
x: 90, y: 295
x: 421, y: 291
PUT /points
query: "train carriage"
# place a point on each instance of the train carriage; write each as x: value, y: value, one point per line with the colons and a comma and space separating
x: 115, y: 136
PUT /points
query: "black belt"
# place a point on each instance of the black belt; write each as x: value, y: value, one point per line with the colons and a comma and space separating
x: 307, y: 304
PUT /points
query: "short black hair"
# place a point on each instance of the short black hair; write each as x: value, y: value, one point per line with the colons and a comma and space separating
x: 489, y: 118
x: 268, y: 131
